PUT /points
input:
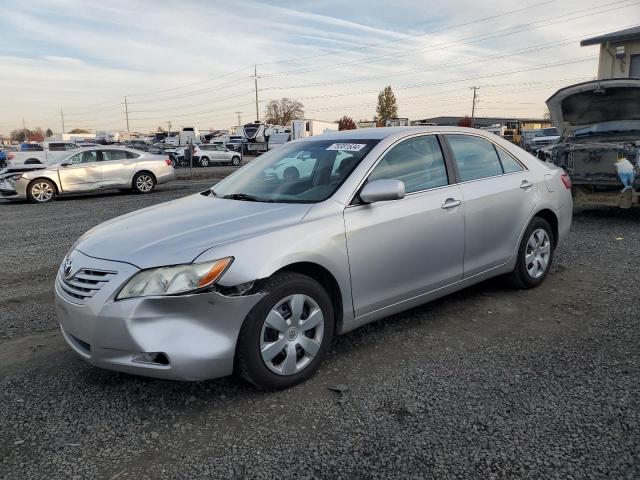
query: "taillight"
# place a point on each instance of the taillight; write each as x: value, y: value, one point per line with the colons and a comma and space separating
x: 566, y: 180
x: 167, y: 161
x: 11, y: 156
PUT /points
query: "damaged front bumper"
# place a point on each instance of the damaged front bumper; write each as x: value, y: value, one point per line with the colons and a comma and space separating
x: 186, y: 337
x: 602, y: 173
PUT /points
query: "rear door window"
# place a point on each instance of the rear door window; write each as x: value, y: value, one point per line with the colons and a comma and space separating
x: 108, y: 155
x: 476, y: 157
x: 509, y: 164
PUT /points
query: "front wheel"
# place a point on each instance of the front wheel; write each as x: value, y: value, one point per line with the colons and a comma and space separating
x: 143, y: 182
x: 204, y: 162
x: 235, y: 161
x: 535, y: 255
x: 285, y: 336
x: 41, y: 191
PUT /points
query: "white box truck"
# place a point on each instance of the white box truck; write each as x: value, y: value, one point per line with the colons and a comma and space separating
x: 309, y: 128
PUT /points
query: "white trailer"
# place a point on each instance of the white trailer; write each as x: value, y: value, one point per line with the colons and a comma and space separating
x: 309, y: 128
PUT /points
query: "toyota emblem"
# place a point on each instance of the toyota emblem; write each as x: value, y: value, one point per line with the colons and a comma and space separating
x: 67, y: 267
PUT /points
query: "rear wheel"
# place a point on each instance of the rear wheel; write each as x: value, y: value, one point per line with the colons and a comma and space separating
x: 41, y: 191
x: 235, y: 161
x: 535, y: 255
x: 143, y: 182
x: 204, y: 162
x: 285, y: 336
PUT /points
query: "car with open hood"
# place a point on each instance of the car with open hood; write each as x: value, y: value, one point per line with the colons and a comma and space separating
x: 318, y: 236
x: 599, y: 145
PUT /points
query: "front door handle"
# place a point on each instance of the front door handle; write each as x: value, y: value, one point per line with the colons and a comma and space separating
x: 526, y: 184
x: 450, y: 203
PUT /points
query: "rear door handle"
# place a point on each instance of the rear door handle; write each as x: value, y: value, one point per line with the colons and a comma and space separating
x: 526, y: 184
x: 450, y: 203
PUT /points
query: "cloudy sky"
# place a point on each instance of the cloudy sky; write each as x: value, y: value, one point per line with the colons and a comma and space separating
x: 191, y: 62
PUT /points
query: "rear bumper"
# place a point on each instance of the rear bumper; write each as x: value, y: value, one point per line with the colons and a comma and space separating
x: 197, y: 334
x: 165, y: 177
x: 565, y: 217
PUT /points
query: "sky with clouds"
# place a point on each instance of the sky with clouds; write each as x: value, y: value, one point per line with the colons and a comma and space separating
x: 191, y: 62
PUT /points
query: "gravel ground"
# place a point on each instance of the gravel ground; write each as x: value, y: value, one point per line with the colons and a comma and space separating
x: 488, y: 383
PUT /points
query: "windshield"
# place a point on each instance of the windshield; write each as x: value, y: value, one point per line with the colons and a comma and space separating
x: 299, y: 172
x: 621, y: 126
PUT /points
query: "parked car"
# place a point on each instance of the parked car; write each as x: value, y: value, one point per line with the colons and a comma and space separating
x: 3, y: 158
x: 137, y: 144
x: 205, y: 154
x: 40, y: 153
x: 544, y: 137
x: 600, y: 145
x: 85, y: 170
x: 256, y: 274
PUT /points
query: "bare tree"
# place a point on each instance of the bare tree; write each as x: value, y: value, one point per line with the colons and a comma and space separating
x: 281, y: 112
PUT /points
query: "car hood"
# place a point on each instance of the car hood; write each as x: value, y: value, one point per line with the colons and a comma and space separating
x: 20, y: 168
x: 178, y: 231
x: 593, y: 102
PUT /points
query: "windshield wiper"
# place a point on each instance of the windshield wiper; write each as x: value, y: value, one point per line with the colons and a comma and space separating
x: 244, y: 196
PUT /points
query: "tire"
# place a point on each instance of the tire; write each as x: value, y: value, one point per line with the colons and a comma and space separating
x: 235, y: 161
x: 273, y: 369
x: 143, y: 182
x: 533, y: 264
x: 41, y: 190
x: 204, y: 162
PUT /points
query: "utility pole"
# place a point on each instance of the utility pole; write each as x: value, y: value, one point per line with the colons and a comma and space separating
x: 473, y: 107
x: 239, y: 118
x: 169, y: 130
x: 255, y: 80
x: 24, y: 131
x: 62, y: 117
x: 126, y: 112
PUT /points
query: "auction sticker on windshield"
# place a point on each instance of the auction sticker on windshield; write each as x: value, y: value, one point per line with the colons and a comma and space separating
x: 347, y: 147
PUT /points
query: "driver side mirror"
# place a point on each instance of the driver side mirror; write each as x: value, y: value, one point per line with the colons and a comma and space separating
x: 65, y: 164
x: 382, y: 190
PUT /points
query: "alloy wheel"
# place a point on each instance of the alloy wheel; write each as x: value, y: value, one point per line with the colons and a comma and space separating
x: 292, y: 334
x: 42, y: 191
x: 537, y: 253
x: 144, y: 183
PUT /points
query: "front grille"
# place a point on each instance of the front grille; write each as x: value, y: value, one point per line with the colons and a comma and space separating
x: 85, y: 283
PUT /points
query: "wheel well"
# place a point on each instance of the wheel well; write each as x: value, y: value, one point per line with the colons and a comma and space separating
x: 144, y: 171
x: 32, y: 161
x: 552, y: 220
x: 55, y: 186
x: 324, y: 278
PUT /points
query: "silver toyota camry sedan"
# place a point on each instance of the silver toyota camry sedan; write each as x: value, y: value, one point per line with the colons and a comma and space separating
x: 315, y: 238
x: 86, y: 170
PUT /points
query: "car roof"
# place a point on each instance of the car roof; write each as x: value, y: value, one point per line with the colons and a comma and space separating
x: 384, y: 132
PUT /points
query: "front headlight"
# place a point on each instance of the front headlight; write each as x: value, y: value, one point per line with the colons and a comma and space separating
x: 174, y: 280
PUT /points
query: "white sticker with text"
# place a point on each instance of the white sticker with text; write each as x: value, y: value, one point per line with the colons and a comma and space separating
x: 347, y: 147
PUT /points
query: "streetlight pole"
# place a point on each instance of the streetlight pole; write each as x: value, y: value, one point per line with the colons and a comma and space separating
x: 473, y: 107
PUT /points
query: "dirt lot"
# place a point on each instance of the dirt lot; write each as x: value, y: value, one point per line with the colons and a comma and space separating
x: 488, y: 383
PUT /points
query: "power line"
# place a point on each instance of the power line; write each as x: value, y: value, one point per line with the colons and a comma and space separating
x: 391, y: 42
x: 472, y: 39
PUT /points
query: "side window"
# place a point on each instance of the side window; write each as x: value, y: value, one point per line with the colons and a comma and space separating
x: 84, y: 157
x: 113, y: 155
x: 509, y: 164
x: 131, y: 154
x: 71, y: 146
x: 475, y: 156
x: 417, y: 162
